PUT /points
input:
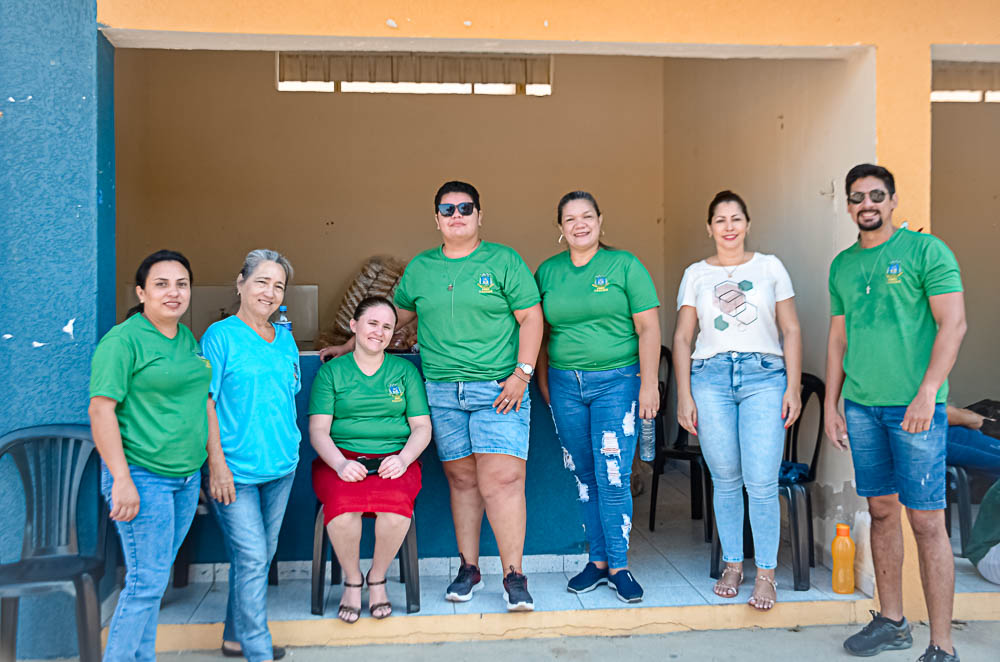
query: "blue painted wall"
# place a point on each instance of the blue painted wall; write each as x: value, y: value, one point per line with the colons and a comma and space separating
x: 554, y: 522
x: 56, y: 247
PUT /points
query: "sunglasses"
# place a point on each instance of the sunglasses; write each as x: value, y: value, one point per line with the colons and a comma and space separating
x: 464, y: 208
x: 875, y: 195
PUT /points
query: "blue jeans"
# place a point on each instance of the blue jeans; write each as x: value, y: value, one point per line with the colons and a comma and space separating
x: 250, y: 528
x: 465, y: 421
x: 149, y: 544
x: 742, y: 436
x: 973, y: 449
x: 889, y: 460
x: 596, y: 418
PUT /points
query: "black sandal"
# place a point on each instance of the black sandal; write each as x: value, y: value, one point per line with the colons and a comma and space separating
x: 347, y: 610
x: 378, y: 605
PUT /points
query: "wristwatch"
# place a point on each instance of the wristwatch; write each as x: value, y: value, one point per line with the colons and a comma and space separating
x: 526, y: 368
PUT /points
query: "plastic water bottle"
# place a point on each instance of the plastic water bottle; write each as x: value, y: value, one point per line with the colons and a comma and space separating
x: 283, y: 318
x: 647, y: 440
x: 843, y: 560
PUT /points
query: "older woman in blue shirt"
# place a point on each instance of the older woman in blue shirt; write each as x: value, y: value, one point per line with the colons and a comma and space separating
x: 255, y: 376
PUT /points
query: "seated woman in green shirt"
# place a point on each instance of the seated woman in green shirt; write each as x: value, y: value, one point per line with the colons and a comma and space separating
x: 151, y: 418
x: 369, y: 422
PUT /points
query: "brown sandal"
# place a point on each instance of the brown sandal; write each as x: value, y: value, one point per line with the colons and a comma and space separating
x: 753, y: 598
x: 720, y: 585
x: 344, y: 612
x: 379, y: 606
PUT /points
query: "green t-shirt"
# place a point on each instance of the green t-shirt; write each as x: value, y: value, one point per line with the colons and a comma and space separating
x: 369, y: 413
x: 891, y: 330
x: 986, y: 531
x: 468, y: 333
x: 589, y: 309
x: 161, y: 387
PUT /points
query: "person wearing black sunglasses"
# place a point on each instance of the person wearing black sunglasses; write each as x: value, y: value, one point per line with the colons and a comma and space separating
x: 479, y: 326
x: 897, y: 321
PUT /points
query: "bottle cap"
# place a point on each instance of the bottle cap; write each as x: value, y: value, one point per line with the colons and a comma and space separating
x: 282, y: 308
x: 843, y: 530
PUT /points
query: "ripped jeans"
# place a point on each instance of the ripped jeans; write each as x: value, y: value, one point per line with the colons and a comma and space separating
x: 597, y: 419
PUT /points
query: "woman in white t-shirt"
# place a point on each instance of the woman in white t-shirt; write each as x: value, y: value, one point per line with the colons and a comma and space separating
x: 739, y: 390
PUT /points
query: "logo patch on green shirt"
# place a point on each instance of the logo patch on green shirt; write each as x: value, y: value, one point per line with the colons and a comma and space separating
x: 396, y: 392
x: 894, y: 274
x: 600, y: 284
x: 485, y: 283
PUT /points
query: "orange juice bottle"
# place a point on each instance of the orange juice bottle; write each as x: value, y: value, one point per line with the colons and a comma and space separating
x: 843, y: 560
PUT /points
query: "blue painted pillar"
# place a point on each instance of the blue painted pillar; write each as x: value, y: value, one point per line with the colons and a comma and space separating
x: 56, y: 247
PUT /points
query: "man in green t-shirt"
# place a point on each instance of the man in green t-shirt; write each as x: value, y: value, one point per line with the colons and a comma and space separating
x: 897, y: 321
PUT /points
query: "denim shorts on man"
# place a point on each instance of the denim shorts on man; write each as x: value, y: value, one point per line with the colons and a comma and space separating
x: 889, y: 460
x: 465, y: 421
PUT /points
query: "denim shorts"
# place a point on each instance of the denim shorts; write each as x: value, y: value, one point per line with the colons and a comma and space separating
x: 465, y: 421
x: 889, y: 460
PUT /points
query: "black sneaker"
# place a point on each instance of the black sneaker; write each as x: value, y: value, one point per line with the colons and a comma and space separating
x: 625, y: 586
x: 515, y: 586
x: 935, y: 654
x: 467, y: 581
x: 879, y: 635
x: 588, y: 579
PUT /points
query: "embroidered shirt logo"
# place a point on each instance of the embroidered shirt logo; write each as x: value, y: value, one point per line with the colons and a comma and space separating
x: 894, y: 274
x: 485, y: 283
x: 396, y: 392
x: 600, y: 284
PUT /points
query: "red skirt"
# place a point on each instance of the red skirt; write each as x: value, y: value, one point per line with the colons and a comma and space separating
x: 374, y: 494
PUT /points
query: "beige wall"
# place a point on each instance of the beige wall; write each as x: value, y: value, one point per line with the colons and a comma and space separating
x: 782, y: 134
x: 213, y: 161
x: 965, y: 205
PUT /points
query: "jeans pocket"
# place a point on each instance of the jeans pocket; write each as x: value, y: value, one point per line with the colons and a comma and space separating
x: 697, y: 365
x: 628, y: 371
x: 772, y: 363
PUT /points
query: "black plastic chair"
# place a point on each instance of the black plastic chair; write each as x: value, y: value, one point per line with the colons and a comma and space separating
x: 680, y: 449
x: 409, y: 567
x: 51, y: 460
x: 795, y: 492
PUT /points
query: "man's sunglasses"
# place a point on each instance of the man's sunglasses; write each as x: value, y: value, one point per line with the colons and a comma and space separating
x: 875, y: 195
x: 464, y: 208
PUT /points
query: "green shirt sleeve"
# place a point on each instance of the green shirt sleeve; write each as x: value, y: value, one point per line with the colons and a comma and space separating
x: 519, y: 286
x: 941, y: 272
x: 639, y: 287
x: 212, y: 348
x: 111, y: 369
x: 416, y: 395
x: 322, y: 398
x: 403, y: 299
x: 836, y: 303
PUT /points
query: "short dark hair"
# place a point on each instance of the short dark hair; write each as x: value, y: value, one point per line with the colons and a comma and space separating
x: 142, y: 273
x: 570, y: 197
x: 371, y: 302
x: 457, y: 187
x: 863, y: 170
x: 726, y: 196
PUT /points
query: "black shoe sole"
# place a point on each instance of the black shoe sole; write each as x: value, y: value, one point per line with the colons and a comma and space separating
x: 894, y: 646
x: 587, y: 589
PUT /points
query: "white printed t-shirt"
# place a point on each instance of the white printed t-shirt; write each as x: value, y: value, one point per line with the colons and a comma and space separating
x: 736, y: 313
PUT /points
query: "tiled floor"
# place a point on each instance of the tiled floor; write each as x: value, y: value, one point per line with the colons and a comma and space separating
x: 671, y: 564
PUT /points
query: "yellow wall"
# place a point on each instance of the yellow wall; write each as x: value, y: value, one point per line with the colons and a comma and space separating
x: 901, y: 30
x: 215, y: 162
x: 966, y: 210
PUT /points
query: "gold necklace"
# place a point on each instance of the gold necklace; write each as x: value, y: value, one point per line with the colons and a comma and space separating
x: 869, y: 273
x: 729, y: 274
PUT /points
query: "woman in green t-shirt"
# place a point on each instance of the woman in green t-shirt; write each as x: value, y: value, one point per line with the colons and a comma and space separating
x: 603, y: 354
x: 151, y: 421
x: 479, y: 324
x: 369, y: 422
